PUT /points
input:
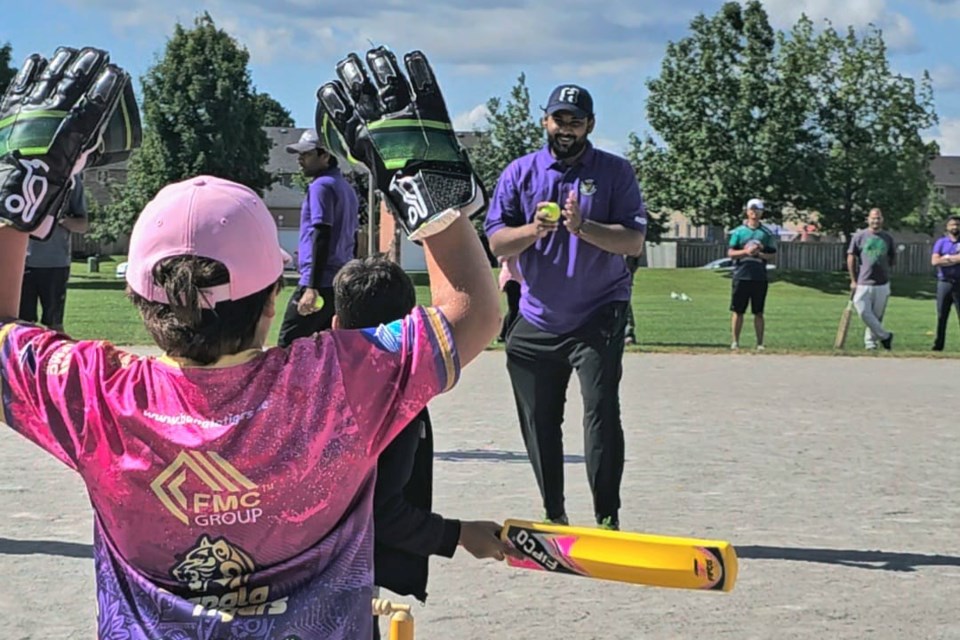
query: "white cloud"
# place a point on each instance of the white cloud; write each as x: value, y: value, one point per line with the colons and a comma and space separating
x: 947, y: 136
x: 468, y: 35
x: 609, y: 144
x: 472, y: 120
x: 898, y: 31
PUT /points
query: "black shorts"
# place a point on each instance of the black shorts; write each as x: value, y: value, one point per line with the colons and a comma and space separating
x: 752, y: 291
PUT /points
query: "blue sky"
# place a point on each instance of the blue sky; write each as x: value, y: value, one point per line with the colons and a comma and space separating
x: 480, y: 47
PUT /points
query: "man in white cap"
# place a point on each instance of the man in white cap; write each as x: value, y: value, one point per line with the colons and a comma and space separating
x: 752, y: 247
x: 329, y: 219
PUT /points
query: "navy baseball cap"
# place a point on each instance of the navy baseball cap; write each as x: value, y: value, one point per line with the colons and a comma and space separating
x: 572, y: 98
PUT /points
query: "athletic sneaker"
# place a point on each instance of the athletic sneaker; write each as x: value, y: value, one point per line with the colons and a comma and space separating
x: 559, y: 520
x: 734, y: 346
x: 760, y: 347
x: 609, y: 523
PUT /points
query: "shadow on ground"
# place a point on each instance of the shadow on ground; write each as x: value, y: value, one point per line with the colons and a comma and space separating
x: 838, y: 283
x: 11, y: 547
x: 493, y: 455
x: 859, y: 559
x: 882, y: 560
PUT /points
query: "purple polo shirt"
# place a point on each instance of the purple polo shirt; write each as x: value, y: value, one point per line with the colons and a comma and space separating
x: 947, y: 246
x: 332, y: 201
x: 566, y: 279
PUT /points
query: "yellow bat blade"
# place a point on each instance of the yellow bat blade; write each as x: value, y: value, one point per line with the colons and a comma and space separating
x: 659, y: 561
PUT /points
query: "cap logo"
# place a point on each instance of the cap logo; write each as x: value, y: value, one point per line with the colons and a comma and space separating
x: 570, y: 95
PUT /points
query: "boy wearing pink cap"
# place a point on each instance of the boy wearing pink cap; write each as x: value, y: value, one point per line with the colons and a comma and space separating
x: 231, y: 485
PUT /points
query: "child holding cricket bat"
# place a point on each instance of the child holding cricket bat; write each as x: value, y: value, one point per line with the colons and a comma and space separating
x: 376, y: 291
x: 231, y: 484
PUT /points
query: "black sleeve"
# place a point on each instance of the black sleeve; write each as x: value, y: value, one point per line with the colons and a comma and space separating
x: 322, y: 234
x: 398, y: 523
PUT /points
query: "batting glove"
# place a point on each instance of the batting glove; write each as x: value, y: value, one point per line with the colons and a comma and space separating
x: 397, y: 126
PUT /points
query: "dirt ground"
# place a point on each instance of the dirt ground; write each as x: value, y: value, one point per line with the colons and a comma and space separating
x: 836, y: 479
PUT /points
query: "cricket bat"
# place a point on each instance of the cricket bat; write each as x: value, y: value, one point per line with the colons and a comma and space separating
x: 844, y: 326
x: 658, y: 561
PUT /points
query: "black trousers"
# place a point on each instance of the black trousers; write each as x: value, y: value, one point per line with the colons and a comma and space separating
x: 48, y: 286
x: 297, y: 326
x: 512, y: 289
x: 540, y: 365
x: 948, y: 293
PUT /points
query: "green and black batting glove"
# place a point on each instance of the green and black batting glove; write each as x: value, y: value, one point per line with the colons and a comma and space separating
x: 53, y: 117
x: 398, y: 127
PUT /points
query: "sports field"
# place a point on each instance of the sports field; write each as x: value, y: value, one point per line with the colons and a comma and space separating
x: 803, y: 310
x: 836, y: 479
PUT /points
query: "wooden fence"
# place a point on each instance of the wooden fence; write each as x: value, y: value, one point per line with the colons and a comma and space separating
x: 914, y: 259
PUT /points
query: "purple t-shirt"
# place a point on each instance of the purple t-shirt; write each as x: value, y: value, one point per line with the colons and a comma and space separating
x: 231, y: 501
x: 566, y: 279
x: 947, y: 246
x: 332, y: 201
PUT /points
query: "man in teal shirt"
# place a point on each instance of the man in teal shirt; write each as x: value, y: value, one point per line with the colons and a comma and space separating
x: 752, y: 247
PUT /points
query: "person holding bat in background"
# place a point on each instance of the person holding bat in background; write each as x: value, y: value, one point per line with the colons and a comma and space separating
x: 752, y: 248
x: 946, y: 258
x: 870, y: 257
x: 570, y: 212
x: 328, y: 230
x: 371, y: 292
x: 286, y: 439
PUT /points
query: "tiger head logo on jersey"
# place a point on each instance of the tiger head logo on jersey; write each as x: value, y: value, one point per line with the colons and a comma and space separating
x: 213, y: 562
x: 218, y: 573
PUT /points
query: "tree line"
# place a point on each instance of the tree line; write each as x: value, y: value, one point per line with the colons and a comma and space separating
x: 813, y: 120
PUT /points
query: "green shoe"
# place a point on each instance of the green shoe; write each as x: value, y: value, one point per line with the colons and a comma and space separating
x: 561, y: 520
x: 609, y: 523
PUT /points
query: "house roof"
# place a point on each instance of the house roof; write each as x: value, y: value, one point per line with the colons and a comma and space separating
x: 946, y: 170
x: 279, y: 160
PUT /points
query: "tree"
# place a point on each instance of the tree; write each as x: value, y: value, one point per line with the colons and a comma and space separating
x: 272, y: 113
x: 869, y: 121
x: 728, y: 126
x: 930, y: 217
x: 511, y: 132
x: 200, y: 116
x: 7, y: 71
x: 813, y: 124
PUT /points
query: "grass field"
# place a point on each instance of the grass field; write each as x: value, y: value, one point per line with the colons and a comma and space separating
x: 802, y: 313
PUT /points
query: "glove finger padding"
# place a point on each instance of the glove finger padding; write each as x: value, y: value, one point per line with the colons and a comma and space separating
x: 52, y: 119
x: 123, y: 132
x: 401, y: 131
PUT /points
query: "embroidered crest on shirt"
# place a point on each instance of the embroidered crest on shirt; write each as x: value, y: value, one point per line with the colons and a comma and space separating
x: 588, y: 187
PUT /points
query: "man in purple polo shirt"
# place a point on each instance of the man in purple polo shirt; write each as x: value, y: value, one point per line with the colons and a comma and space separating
x: 946, y: 258
x: 574, y: 297
x: 329, y: 219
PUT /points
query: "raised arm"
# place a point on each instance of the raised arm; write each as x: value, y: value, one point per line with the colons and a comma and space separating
x: 82, y: 89
x: 398, y: 126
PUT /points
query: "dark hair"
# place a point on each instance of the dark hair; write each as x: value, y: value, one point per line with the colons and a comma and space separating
x: 952, y: 217
x: 184, y: 328
x: 372, y: 291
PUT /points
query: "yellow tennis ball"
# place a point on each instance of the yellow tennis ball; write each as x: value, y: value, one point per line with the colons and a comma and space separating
x: 552, y: 211
x: 318, y: 303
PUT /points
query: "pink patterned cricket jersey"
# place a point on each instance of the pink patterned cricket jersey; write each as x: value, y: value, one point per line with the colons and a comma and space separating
x: 231, y: 501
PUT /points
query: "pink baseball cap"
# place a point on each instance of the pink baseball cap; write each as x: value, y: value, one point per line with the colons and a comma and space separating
x: 212, y: 218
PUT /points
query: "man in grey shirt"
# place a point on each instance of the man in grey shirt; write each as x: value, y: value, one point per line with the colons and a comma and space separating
x: 48, y: 265
x: 874, y: 250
